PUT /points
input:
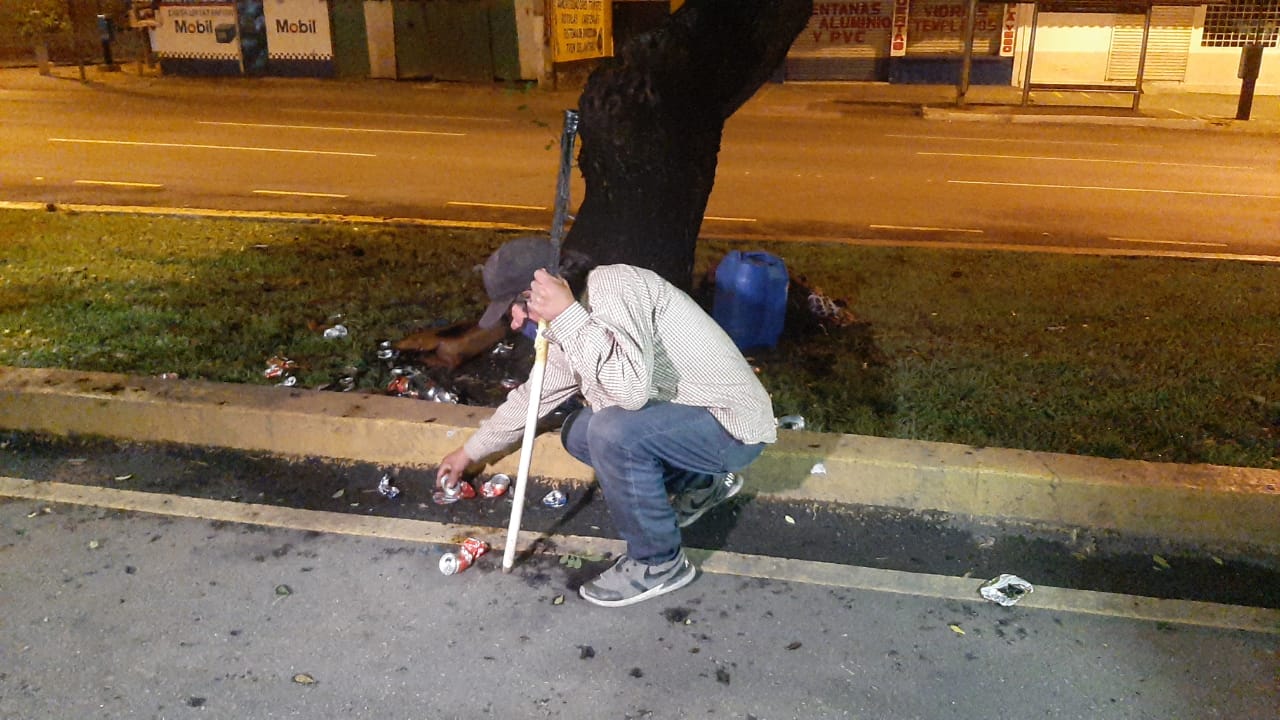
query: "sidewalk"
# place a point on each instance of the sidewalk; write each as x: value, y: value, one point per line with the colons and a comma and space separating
x: 1160, y: 107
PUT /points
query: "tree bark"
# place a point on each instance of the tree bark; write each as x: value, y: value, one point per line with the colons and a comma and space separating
x: 651, y: 122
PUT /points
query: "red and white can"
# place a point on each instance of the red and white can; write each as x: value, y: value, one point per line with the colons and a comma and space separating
x: 454, y: 563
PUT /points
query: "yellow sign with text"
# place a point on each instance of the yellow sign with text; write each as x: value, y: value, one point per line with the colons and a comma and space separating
x: 581, y: 29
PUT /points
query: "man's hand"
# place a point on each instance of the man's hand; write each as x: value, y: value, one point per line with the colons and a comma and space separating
x: 548, y: 296
x: 449, y: 474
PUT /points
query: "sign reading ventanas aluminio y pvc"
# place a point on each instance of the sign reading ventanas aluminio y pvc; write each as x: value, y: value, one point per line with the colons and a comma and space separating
x: 581, y: 29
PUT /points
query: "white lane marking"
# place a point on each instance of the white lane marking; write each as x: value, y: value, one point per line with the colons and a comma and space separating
x: 1005, y: 141
x: 1134, y: 607
x: 299, y: 193
x: 997, y: 156
x: 923, y: 228
x: 332, y: 129
x: 117, y: 183
x: 1114, y: 189
x: 195, y: 146
x: 416, y: 116
x: 461, y: 203
x: 1167, y: 242
x: 729, y: 219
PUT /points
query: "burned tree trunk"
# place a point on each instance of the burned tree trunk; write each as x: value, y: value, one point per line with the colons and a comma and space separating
x: 651, y: 122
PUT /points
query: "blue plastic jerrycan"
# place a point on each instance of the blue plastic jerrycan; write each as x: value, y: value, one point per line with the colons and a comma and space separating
x: 751, y: 298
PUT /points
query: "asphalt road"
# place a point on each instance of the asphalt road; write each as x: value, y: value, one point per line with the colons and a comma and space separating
x: 465, y: 153
x: 204, y: 608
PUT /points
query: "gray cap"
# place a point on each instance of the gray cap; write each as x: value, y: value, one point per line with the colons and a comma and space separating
x: 508, y: 272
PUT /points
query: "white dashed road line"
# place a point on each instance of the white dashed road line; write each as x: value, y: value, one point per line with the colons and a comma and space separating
x: 998, y: 156
x: 136, y: 143
x: 332, y: 129
x: 1158, y: 191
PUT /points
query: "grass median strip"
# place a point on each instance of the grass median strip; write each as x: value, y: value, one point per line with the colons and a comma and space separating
x: 1158, y: 359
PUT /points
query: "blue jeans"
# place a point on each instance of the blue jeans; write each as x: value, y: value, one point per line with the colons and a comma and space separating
x: 639, y: 456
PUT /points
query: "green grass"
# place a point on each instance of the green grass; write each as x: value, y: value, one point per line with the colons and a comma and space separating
x: 1144, y: 358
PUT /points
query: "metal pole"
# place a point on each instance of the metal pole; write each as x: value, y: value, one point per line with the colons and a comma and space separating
x: 1142, y: 60
x: 966, y: 64
x: 540, y: 343
x: 1031, y: 53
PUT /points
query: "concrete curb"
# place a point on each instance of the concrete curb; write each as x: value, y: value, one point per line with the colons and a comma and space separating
x: 1220, y: 507
x: 1014, y: 118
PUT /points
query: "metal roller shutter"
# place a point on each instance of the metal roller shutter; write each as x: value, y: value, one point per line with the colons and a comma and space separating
x: 936, y: 27
x: 1167, y: 45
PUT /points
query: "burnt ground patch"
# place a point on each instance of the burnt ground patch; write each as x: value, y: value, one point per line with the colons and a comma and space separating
x: 878, y: 537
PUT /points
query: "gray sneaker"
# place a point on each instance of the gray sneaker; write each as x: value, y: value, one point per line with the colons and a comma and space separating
x: 692, y: 505
x: 628, y: 582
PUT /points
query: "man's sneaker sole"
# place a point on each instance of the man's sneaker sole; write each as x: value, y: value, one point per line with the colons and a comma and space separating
x: 675, y: 583
x: 691, y: 518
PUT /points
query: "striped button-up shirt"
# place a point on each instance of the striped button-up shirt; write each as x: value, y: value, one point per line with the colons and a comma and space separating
x: 635, y: 338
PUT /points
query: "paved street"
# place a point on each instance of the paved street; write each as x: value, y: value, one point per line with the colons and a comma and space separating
x: 834, y: 161
x: 122, y: 615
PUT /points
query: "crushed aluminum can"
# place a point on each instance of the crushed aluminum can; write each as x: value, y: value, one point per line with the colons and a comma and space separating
x: 444, y: 396
x: 337, y: 332
x: 289, y: 381
x: 496, y: 486
x: 1006, y: 589
x: 386, y: 489
x: 555, y: 499
x: 279, y: 366
x: 791, y: 422
x: 386, y: 351
x: 399, y: 385
x: 454, y: 563
x: 449, y: 496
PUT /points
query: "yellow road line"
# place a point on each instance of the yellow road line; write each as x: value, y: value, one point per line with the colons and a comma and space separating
x: 463, y: 203
x: 298, y: 193
x: 264, y: 215
x: 1231, y: 617
x: 925, y: 228
x: 119, y: 183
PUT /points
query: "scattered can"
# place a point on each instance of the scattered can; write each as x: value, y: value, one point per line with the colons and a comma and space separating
x: 386, y: 489
x: 496, y: 486
x: 1005, y: 590
x: 555, y: 499
x: 279, y: 366
x: 450, y: 495
x: 791, y: 422
x: 337, y: 332
x: 454, y: 563
x: 386, y: 351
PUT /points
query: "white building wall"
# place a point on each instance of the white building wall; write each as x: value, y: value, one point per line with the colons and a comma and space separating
x: 1070, y: 47
x: 1074, y: 47
x: 1213, y: 69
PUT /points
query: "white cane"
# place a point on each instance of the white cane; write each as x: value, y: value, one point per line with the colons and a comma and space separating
x: 540, y: 343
